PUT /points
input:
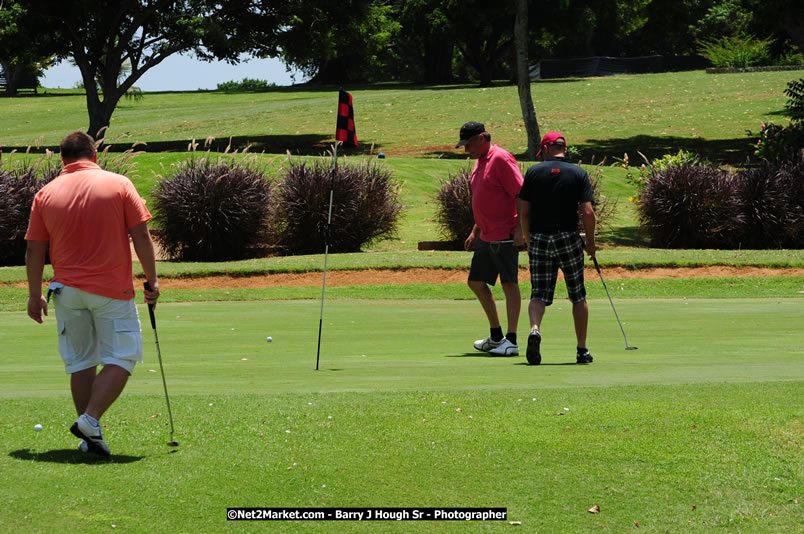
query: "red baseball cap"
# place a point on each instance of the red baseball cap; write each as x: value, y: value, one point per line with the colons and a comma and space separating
x: 553, y: 138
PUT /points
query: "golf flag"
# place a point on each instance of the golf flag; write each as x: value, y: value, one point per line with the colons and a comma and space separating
x: 345, y: 128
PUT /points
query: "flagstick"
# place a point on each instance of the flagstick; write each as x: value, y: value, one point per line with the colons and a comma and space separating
x: 326, y: 247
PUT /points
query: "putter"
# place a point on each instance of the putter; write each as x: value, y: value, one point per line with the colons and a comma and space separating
x: 627, y: 346
x: 170, y: 443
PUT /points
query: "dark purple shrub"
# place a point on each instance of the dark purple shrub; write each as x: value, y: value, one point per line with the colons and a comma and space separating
x: 365, y: 207
x: 690, y: 206
x: 212, y: 210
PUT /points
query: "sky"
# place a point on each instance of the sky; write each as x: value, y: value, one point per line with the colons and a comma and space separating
x: 184, y: 73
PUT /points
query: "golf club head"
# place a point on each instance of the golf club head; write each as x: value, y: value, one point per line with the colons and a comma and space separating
x: 173, y: 443
x: 631, y: 348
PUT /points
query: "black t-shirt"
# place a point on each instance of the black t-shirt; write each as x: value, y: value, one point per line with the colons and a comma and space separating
x: 555, y: 189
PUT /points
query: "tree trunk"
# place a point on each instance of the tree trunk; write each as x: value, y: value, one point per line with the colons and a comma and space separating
x: 100, y: 110
x: 98, y: 118
x: 438, y: 60
x: 12, y: 75
x: 523, y: 78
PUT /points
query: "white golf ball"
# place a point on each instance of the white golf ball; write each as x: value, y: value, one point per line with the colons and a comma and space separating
x: 37, y: 427
x: 269, y: 339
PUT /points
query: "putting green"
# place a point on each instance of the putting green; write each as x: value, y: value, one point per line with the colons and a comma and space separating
x: 374, y: 345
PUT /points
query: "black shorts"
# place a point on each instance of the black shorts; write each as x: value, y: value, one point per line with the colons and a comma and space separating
x: 493, y: 259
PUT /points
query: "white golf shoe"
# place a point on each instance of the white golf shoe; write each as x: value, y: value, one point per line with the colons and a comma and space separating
x: 505, y: 348
x: 91, y: 434
x: 485, y: 345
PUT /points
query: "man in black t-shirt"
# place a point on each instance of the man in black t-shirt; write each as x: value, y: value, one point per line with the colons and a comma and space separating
x: 553, y: 194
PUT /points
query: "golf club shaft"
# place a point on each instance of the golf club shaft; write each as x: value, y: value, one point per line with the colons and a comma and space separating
x: 321, y: 316
x: 159, y: 355
x: 326, y: 249
x: 597, y: 267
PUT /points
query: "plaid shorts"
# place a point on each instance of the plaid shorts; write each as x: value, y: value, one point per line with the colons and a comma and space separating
x: 547, y: 253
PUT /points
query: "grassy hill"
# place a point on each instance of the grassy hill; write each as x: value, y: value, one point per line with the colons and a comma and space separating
x: 605, y: 117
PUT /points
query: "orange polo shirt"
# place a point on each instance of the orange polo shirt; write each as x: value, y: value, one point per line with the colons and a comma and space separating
x: 85, y: 213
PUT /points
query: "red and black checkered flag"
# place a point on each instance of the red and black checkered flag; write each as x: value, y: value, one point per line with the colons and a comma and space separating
x: 345, y: 129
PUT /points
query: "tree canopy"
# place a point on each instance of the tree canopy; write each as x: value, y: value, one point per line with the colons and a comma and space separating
x: 21, y: 57
x: 114, y: 42
x: 102, y: 36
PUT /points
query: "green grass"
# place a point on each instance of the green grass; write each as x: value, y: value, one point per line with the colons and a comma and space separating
x: 692, y: 432
x: 785, y: 287
x: 697, y: 431
x: 628, y: 257
x: 607, y: 116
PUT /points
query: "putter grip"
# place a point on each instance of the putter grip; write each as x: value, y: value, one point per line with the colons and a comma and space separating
x: 147, y: 287
x: 594, y: 259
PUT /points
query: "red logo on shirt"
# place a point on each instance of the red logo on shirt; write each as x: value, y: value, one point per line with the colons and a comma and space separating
x: 555, y: 171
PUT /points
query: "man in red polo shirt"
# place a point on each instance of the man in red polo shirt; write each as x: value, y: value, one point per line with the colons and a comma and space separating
x: 85, y: 216
x: 496, y: 182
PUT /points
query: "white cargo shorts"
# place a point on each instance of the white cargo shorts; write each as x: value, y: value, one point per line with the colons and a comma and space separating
x: 95, y: 330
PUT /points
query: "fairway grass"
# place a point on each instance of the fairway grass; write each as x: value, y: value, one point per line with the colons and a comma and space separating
x: 682, y: 458
x: 697, y: 431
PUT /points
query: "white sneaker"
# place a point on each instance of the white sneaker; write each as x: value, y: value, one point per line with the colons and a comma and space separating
x: 83, y: 447
x: 505, y: 348
x: 92, y: 434
x: 485, y: 345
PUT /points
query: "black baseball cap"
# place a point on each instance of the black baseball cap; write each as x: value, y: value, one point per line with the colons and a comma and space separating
x: 469, y: 130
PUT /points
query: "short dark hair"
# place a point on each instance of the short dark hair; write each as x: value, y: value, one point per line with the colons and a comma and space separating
x: 487, y: 135
x: 77, y: 145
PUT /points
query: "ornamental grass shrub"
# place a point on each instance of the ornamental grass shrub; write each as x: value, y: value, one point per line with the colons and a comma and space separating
x: 604, y: 206
x: 699, y: 206
x: 20, y: 180
x: 365, y: 206
x: 692, y: 206
x: 212, y: 209
x: 773, y: 198
x: 454, y: 205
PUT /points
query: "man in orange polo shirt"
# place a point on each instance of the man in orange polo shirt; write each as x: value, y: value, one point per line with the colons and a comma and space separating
x: 86, y: 216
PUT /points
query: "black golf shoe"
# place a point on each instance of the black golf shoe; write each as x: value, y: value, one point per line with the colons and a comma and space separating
x: 533, y: 354
x: 583, y: 356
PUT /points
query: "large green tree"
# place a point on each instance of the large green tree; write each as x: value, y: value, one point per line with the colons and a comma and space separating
x: 335, y: 42
x: 425, y: 46
x: 22, y: 57
x: 782, y: 20
x: 102, y: 36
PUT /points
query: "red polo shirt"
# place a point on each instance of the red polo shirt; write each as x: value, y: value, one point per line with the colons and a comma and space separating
x: 496, y: 182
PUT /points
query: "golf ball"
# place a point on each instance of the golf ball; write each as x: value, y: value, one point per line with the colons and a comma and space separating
x: 269, y: 339
x: 37, y: 427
